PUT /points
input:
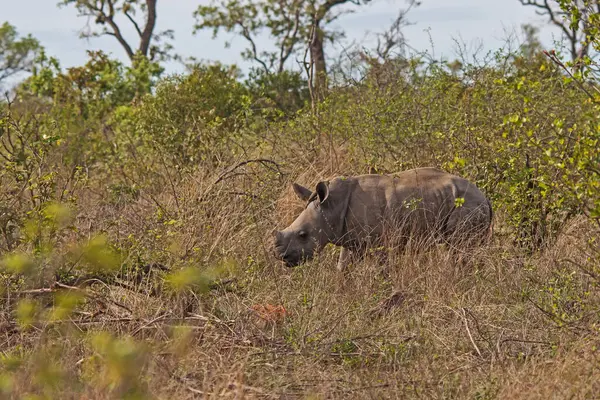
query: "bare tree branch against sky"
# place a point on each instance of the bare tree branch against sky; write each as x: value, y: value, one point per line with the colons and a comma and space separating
x: 484, y: 22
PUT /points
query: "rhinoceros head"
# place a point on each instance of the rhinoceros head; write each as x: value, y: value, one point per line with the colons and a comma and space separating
x: 320, y: 223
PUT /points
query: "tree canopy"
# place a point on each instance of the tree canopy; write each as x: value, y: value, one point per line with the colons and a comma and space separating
x: 16, y: 54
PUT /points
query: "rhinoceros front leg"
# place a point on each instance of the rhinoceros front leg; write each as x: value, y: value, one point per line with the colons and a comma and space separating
x: 344, y: 260
x: 348, y: 256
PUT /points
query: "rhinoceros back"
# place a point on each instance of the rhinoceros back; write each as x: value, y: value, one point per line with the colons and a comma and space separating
x: 418, y: 203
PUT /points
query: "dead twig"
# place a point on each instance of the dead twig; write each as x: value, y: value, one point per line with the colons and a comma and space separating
x: 269, y: 164
x: 362, y: 388
x: 583, y: 269
x: 464, y: 315
x: 147, y: 324
x: 552, y: 56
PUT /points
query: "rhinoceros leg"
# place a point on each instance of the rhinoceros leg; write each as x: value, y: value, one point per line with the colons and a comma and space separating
x: 467, y: 228
x: 468, y: 225
x: 349, y: 256
x: 344, y: 260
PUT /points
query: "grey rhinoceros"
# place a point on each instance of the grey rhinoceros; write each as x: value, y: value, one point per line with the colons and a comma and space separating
x: 359, y: 212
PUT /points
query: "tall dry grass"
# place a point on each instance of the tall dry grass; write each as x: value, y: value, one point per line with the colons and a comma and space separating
x: 505, y: 325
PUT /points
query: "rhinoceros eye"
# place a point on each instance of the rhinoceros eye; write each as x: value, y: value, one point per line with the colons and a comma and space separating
x: 303, y: 234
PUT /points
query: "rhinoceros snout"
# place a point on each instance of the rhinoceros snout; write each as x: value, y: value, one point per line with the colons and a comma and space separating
x: 279, y: 245
x: 278, y: 242
x: 282, y: 250
x: 290, y: 260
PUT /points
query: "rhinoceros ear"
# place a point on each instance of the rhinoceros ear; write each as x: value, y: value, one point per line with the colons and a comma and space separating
x: 302, y: 192
x: 322, y: 191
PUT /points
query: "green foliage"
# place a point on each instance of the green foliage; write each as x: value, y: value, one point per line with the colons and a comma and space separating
x: 44, y: 225
x: 118, y: 365
x: 28, y: 173
x: 188, y: 278
x: 65, y: 303
x: 44, y: 71
x: 94, y: 89
x: 42, y: 236
x: 286, y: 23
x: 289, y: 23
x: 26, y: 312
x: 82, y: 105
x: 17, y: 263
x: 190, y: 117
x: 347, y: 351
x: 283, y: 93
x: 583, y: 14
x: 96, y: 255
x: 16, y: 54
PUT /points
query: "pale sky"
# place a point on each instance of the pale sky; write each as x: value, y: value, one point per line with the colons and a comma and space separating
x: 474, y: 22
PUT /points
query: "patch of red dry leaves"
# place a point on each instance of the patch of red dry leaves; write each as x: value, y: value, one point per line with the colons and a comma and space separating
x: 269, y: 312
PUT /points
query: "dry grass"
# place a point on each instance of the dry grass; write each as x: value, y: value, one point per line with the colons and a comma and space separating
x: 491, y: 329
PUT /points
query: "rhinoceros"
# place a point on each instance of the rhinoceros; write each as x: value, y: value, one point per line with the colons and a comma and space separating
x: 360, y: 212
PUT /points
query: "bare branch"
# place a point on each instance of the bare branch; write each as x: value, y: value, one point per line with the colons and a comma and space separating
x: 117, y: 33
x: 289, y: 41
x: 105, y: 13
x: 246, y: 34
x: 134, y: 23
x: 393, y: 37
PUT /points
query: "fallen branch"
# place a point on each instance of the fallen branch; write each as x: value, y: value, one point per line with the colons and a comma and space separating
x: 57, y: 286
x: 526, y: 341
x: 38, y: 291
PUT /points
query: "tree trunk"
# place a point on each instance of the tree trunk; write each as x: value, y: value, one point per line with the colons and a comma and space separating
x: 317, y: 58
x: 146, y: 36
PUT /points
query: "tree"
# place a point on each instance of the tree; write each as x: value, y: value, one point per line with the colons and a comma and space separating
x: 530, y: 56
x: 531, y: 46
x: 248, y: 18
x: 106, y: 13
x: 16, y: 55
x: 322, y: 14
x: 574, y: 18
x: 291, y: 23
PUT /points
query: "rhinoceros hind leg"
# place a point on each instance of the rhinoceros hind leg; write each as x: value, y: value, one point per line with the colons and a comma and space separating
x: 467, y: 226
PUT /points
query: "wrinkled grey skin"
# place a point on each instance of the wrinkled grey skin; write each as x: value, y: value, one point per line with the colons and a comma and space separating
x: 363, y: 211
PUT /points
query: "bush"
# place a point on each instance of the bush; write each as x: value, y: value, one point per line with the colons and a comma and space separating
x: 191, y: 116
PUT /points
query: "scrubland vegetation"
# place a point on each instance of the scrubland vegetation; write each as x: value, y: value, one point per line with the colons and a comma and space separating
x: 136, y: 211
